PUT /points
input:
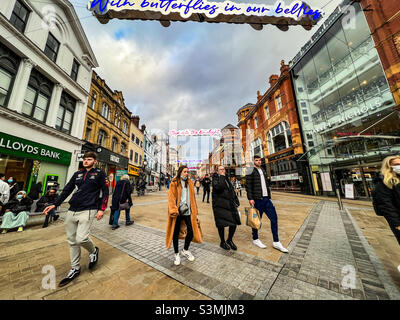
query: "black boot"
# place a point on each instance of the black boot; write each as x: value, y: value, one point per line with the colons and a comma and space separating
x: 231, y: 244
x: 224, y: 245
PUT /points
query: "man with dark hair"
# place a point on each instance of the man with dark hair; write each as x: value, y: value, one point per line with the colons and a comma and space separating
x: 4, y: 189
x: 206, y: 187
x: 259, y: 196
x: 90, y: 198
x: 50, y: 197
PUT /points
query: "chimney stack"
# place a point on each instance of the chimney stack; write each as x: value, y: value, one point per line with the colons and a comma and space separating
x: 143, y: 128
x: 135, y: 120
x: 273, y: 79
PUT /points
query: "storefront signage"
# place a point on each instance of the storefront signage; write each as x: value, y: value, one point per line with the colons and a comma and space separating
x: 314, y: 168
x: 192, y: 132
x: 119, y: 174
x: 133, y: 171
x: 283, y: 155
x: 349, y: 191
x: 114, y: 158
x: 22, y: 148
x: 326, y: 181
x: 285, y: 177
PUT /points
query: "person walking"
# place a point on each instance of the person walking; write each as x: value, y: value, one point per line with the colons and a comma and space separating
x: 122, y: 200
x: 16, y: 212
x: 14, y: 187
x: 238, y: 188
x: 4, y: 189
x: 91, y: 198
x: 259, y: 196
x: 182, y: 208
x: 49, y: 198
x: 206, y: 187
x: 225, y: 204
x: 197, y: 184
x: 386, y: 194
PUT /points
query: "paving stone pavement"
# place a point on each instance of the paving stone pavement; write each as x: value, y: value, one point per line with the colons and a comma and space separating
x: 327, y: 250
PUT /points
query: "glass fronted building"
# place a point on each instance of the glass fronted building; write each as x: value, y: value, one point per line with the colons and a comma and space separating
x: 345, y: 107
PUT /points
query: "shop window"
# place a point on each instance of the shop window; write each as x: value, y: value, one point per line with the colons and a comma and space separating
x: 65, y: 113
x: 136, y: 157
x: 37, y: 96
x: 114, y: 144
x: 102, y: 138
x: 75, y: 70
x: 19, y: 16
x: 52, y: 47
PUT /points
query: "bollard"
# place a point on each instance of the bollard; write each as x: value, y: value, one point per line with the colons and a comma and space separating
x: 340, y: 203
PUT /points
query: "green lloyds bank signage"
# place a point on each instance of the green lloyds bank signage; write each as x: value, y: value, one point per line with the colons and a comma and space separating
x: 22, y: 148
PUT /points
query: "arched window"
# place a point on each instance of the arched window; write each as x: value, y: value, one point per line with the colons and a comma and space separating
x: 125, y: 127
x: 105, y: 111
x: 102, y: 138
x: 114, y: 144
x: 279, y: 138
x: 93, y: 100
x: 123, y: 148
x: 257, y: 148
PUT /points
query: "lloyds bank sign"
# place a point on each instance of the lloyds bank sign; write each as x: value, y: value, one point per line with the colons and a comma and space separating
x: 22, y: 148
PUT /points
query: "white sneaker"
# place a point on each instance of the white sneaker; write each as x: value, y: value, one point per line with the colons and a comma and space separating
x: 258, y: 243
x: 398, y: 267
x: 177, y: 261
x: 279, y: 246
x: 188, y: 255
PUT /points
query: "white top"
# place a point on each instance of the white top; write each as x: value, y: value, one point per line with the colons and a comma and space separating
x: 263, y: 184
x: 4, y: 192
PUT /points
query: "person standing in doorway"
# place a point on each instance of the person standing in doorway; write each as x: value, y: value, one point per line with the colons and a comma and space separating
x: 14, y: 187
x: 259, y: 196
x: 89, y: 200
x: 182, y: 208
x: 206, y: 187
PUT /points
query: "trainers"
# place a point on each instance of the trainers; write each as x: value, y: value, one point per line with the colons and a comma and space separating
x: 93, y: 258
x: 114, y: 227
x: 56, y: 217
x: 398, y: 268
x: 72, y: 274
x: 279, y: 246
x: 231, y: 244
x: 4, y: 231
x: 188, y: 255
x: 259, y: 244
x: 225, y: 246
x: 177, y: 260
x: 20, y: 229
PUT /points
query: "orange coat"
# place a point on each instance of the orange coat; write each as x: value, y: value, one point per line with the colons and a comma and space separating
x: 174, y: 199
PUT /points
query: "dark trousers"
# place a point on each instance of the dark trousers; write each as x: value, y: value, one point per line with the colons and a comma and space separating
x: 198, y: 188
x: 114, y: 216
x: 51, y: 213
x: 221, y: 232
x: 266, y: 205
x: 206, y: 191
x: 189, y: 234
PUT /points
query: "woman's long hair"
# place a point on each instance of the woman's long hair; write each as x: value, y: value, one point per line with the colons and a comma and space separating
x: 178, y: 176
x: 390, y: 178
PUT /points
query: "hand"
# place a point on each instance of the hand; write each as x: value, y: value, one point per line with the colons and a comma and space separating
x: 48, y: 209
x: 398, y: 228
x: 99, y: 215
x: 252, y: 202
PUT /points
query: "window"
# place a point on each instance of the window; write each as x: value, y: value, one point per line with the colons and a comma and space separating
x: 133, y: 137
x: 123, y: 148
x: 279, y: 138
x: 52, y: 46
x: 9, y: 64
x: 74, y: 70
x: 266, y: 112
x: 306, y: 119
x: 65, y: 113
x: 304, y: 111
x: 141, y: 144
x: 140, y: 160
x: 130, y: 155
x: 88, y: 130
x: 105, y: 111
x: 116, y: 119
x: 125, y: 127
x: 310, y: 144
x: 114, y: 144
x: 300, y: 89
x: 303, y: 104
x: 93, y: 100
x: 136, y: 157
x: 19, y: 16
x: 102, y: 138
x: 256, y: 122
x: 137, y: 141
x: 278, y: 102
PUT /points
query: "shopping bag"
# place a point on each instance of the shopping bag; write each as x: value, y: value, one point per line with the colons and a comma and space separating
x: 253, y: 219
x: 182, y: 230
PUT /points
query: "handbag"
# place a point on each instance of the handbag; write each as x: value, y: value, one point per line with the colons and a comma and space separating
x: 253, y: 219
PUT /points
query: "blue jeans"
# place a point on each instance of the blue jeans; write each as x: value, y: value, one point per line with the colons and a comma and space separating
x: 266, y: 205
x: 116, y: 216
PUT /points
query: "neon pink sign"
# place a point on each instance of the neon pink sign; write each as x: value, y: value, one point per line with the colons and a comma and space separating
x: 193, y: 132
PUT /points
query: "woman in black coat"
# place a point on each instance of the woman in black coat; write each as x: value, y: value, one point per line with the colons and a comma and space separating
x: 121, y: 195
x: 225, y: 204
x: 386, y: 194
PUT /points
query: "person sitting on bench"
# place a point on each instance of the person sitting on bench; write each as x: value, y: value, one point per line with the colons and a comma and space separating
x: 16, y: 212
x: 50, y: 197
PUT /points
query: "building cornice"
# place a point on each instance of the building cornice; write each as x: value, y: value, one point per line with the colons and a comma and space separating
x: 20, y: 119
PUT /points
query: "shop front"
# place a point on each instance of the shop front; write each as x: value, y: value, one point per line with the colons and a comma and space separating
x: 30, y: 162
x: 134, y: 174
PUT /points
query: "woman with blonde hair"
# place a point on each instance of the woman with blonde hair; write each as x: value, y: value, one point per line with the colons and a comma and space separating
x: 386, y: 194
x: 182, y: 208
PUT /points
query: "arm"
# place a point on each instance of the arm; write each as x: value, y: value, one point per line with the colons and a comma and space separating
x: 104, y: 192
x: 249, y: 186
x: 172, y: 201
x: 69, y: 187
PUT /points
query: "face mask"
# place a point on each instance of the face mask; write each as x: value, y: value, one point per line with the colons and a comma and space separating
x: 9, y: 181
x: 396, y: 169
x: 19, y: 197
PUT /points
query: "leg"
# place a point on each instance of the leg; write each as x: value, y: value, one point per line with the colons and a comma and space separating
x: 85, y: 219
x: 204, y: 194
x: 221, y: 232
x: 116, y: 217
x: 273, y: 217
x: 260, y: 207
x: 127, y: 215
x: 232, y: 230
x: 71, y: 226
x: 175, y: 238
x: 189, y: 234
x: 208, y: 195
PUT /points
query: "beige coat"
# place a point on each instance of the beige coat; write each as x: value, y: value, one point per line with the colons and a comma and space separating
x: 174, y: 199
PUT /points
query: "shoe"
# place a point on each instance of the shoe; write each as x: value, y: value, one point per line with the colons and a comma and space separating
x: 177, y: 260
x: 259, y: 244
x: 225, y: 246
x: 56, y: 217
x: 4, y: 231
x: 208, y: 201
x: 398, y: 268
x: 72, y: 274
x: 129, y: 223
x: 45, y: 226
x: 279, y: 246
x: 94, y: 257
x: 20, y: 229
x: 114, y: 227
x: 231, y: 244
x: 188, y: 255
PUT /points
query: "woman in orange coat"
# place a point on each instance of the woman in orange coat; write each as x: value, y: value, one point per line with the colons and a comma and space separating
x: 182, y: 208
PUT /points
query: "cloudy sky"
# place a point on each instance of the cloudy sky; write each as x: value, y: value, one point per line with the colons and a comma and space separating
x: 197, y: 74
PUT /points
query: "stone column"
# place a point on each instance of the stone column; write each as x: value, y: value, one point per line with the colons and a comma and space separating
x: 79, y: 119
x: 54, y: 105
x: 20, y: 84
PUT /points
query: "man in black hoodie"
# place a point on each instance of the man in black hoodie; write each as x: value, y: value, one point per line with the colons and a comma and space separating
x: 91, y: 198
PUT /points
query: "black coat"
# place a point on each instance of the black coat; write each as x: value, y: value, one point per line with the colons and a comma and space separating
x: 41, y: 204
x: 224, y: 202
x: 16, y: 206
x: 253, y: 185
x: 14, y: 190
x: 206, y: 183
x: 122, y: 192
x: 387, y: 202
x: 36, y: 191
